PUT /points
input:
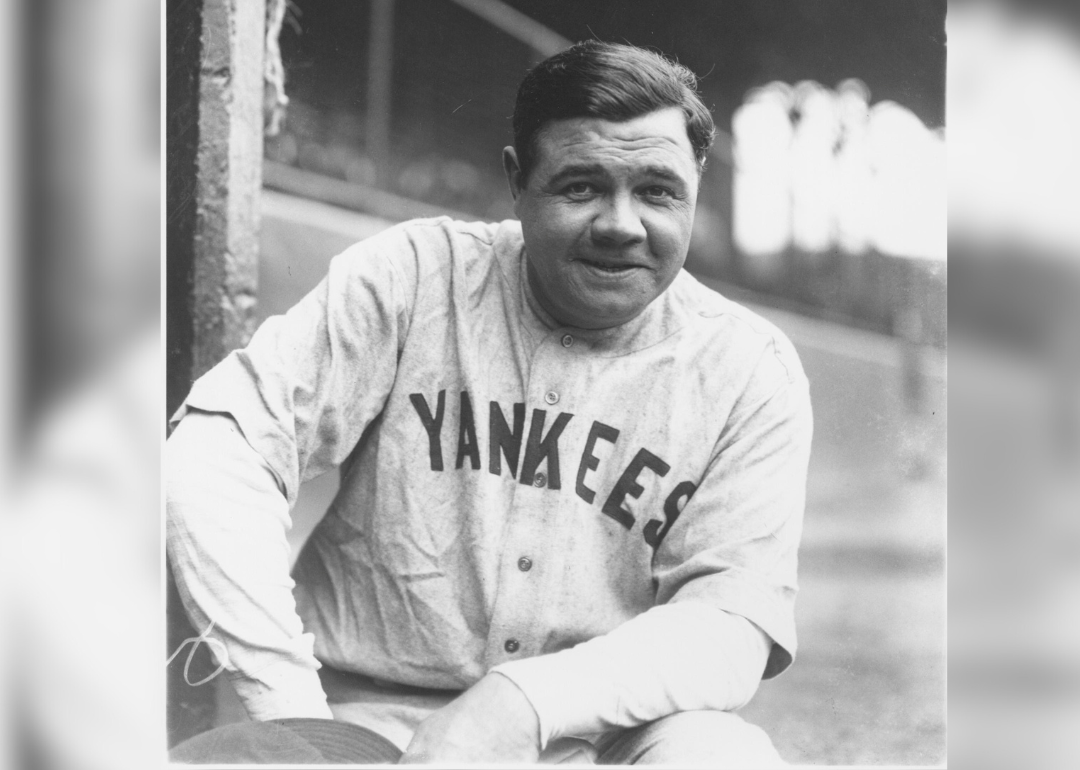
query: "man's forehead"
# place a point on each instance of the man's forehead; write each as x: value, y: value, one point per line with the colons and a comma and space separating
x: 656, y: 137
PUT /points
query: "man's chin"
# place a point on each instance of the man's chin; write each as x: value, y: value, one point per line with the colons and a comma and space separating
x: 601, y: 315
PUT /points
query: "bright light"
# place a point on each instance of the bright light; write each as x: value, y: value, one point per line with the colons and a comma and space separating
x: 908, y: 193
x: 814, y: 168
x: 762, y: 205
x: 818, y: 169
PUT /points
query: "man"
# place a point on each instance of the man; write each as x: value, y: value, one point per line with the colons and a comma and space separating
x: 572, y: 477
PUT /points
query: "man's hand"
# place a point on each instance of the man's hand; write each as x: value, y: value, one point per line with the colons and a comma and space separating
x: 492, y: 721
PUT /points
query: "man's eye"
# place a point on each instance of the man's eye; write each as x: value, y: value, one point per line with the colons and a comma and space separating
x: 657, y: 191
x: 579, y: 188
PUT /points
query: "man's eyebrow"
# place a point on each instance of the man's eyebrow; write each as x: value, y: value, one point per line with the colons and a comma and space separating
x: 577, y: 169
x: 661, y: 172
x: 595, y: 169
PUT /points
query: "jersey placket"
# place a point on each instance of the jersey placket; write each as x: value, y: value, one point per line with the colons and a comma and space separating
x: 531, y: 552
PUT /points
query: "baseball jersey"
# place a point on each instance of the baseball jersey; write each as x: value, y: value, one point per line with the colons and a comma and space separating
x: 512, y: 488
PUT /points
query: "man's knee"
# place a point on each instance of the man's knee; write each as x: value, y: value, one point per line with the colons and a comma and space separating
x: 714, y: 738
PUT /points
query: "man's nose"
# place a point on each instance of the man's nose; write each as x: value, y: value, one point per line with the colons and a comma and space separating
x: 618, y: 223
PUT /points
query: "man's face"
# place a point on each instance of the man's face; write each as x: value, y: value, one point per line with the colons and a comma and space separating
x: 606, y: 214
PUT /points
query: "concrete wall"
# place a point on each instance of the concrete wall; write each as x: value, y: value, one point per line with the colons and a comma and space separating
x: 214, y: 147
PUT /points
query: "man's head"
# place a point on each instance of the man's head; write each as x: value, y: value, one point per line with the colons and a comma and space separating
x: 609, y: 81
x: 609, y: 145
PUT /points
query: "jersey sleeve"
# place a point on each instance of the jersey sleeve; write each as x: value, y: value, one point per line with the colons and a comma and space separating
x: 734, y: 545
x: 290, y: 406
x: 310, y: 382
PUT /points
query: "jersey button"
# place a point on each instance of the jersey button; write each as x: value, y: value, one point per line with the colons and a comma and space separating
x: 539, y: 480
x: 567, y: 340
x: 551, y: 397
x: 524, y: 564
x: 512, y: 645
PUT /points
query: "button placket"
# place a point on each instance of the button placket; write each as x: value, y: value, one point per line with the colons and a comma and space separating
x: 514, y: 615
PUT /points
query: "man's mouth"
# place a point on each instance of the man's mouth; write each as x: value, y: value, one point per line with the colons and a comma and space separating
x: 609, y: 267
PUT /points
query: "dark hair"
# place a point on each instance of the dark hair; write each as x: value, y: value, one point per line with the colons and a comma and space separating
x: 611, y: 81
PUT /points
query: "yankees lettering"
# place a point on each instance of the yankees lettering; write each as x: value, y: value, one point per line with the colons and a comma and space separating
x: 507, y: 442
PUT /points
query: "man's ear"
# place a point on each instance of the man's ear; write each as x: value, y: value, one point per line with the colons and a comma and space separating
x: 513, y: 171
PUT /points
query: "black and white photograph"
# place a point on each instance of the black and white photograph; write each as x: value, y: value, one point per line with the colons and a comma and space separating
x: 546, y: 380
x: 531, y: 382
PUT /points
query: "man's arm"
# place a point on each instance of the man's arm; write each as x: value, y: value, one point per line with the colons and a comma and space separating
x: 226, y: 535
x: 685, y: 656
x: 710, y: 660
x: 291, y: 405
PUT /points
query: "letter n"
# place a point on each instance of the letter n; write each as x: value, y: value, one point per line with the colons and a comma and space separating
x: 501, y: 440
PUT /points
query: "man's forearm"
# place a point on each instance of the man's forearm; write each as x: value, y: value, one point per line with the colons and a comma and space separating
x: 676, y: 657
x: 227, y: 521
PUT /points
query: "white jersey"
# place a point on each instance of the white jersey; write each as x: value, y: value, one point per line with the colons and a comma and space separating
x: 512, y: 487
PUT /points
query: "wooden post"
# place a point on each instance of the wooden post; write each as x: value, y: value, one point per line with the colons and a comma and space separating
x: 214, y: 166
x: 215, y: 146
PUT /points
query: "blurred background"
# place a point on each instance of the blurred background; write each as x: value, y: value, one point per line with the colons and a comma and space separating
x: 826, y: 188
x: 1014, y: 245
x: 822, y: 209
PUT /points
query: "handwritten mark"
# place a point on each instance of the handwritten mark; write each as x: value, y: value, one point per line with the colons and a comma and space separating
x: 195, y: 642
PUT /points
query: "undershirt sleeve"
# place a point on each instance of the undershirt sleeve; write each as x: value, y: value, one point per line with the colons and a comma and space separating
x: 221, y: 493
x: 676, y: 657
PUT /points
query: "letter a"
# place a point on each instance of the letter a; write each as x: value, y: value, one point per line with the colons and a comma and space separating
x: 466, y: 445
